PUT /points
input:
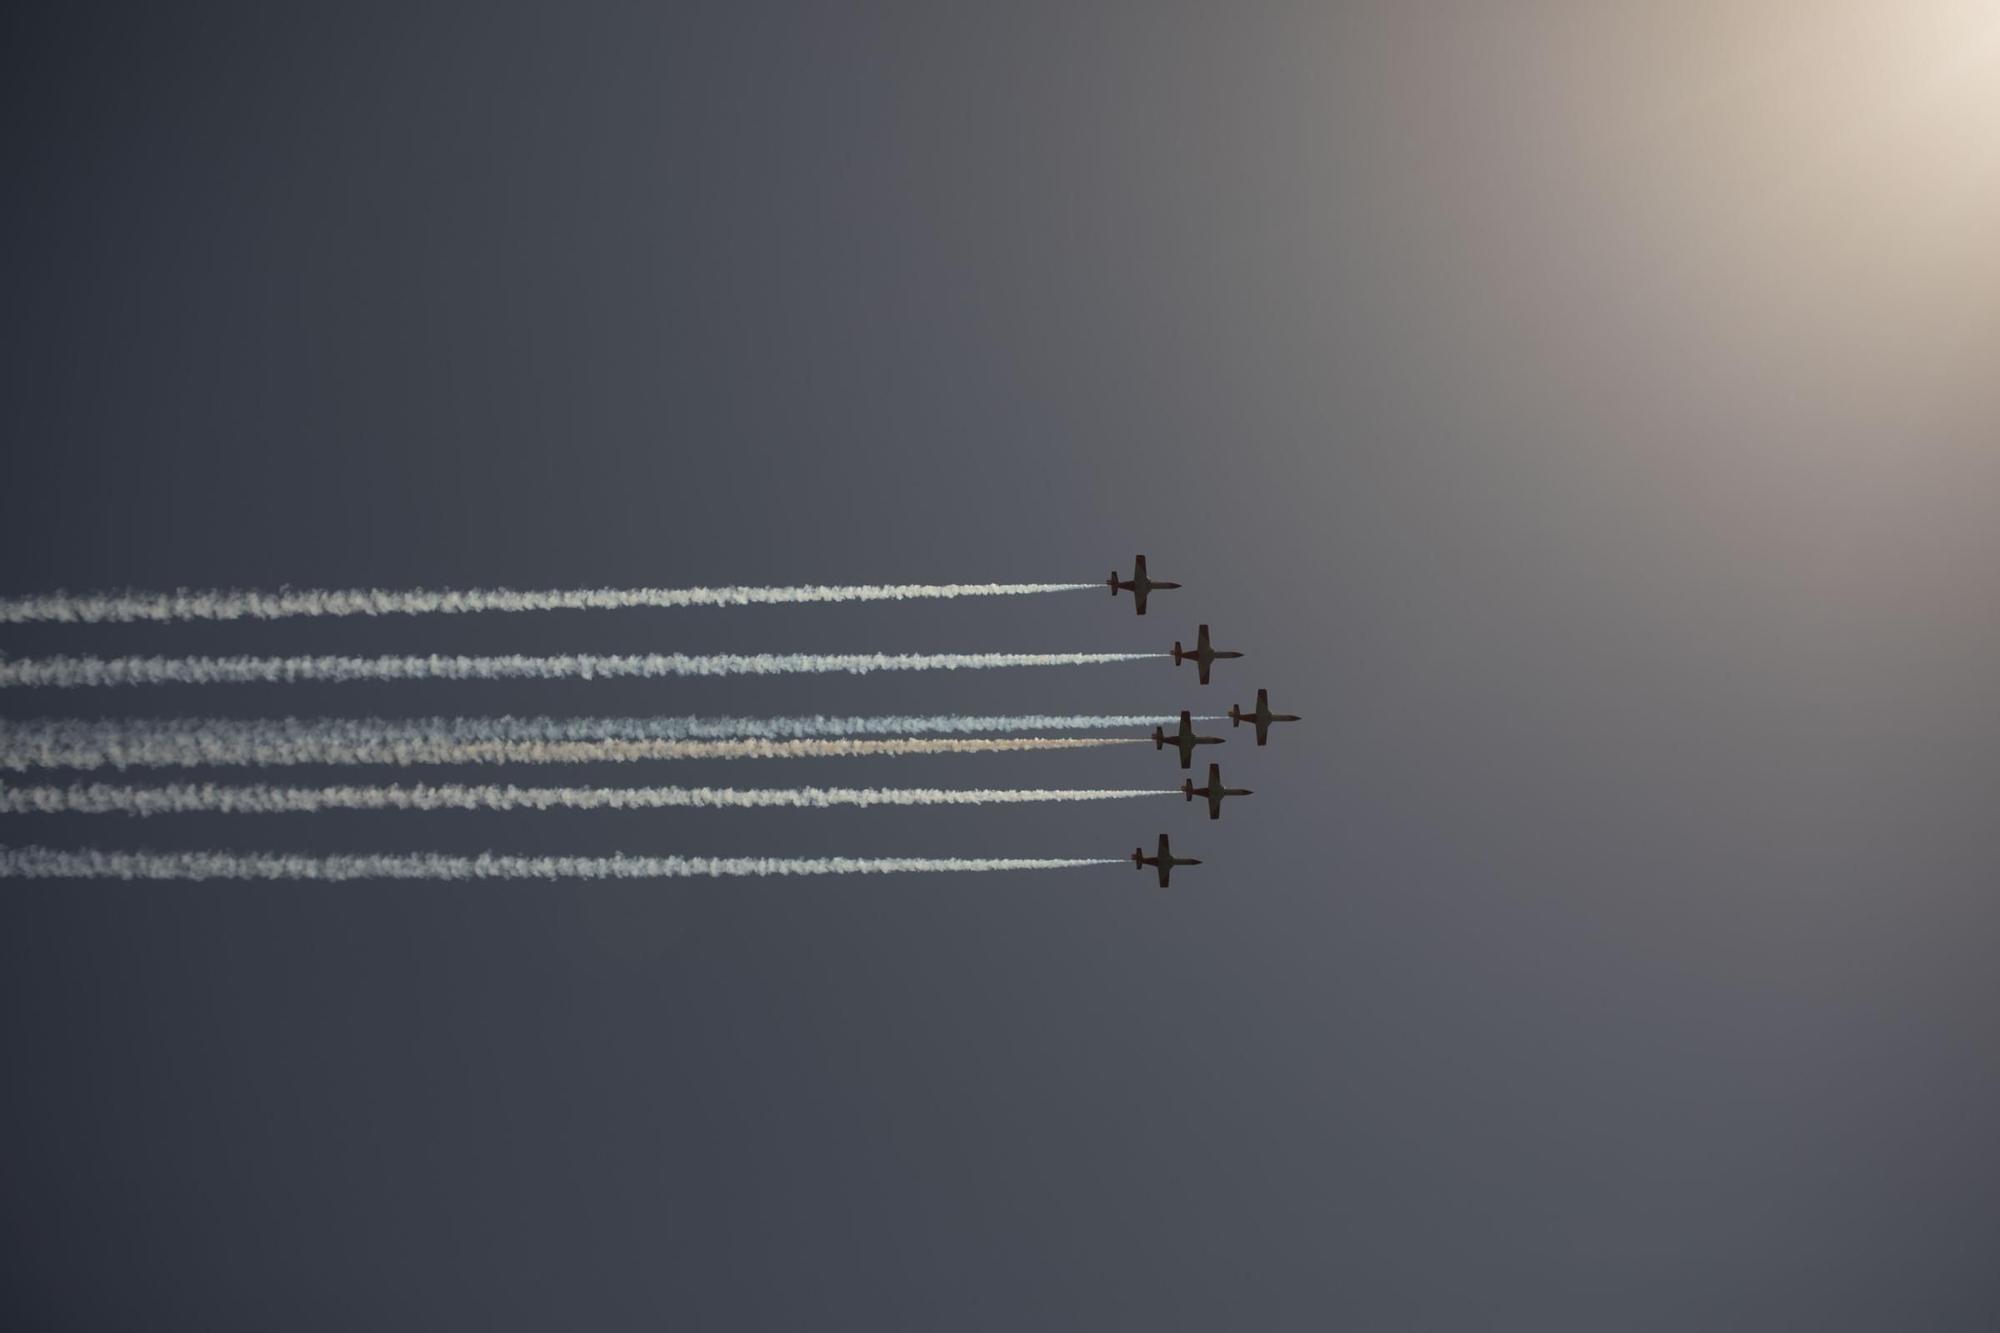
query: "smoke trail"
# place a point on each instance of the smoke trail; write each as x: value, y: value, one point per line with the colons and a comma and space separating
x: 229, y: 604
x: 48, y: 863
x: 208, y: 798
x: 79, y: 672
x: 267, y: 744
x: 729, y: 728
x: 152, y: 742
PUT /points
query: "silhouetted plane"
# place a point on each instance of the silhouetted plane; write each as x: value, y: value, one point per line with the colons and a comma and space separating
x: 1138, y: 585
x: 1204, y: 655
x: 1214, y: 791
x: 1166, y: 860
x: 1262, y: 716
x: 1185, y: 741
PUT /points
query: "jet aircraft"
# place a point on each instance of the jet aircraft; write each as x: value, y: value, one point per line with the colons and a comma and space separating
x: 1204, y: 655
x: 1166, y: 860
x: 1138, y: 585
x: 1214, y: 791
x: 1262, y: 716
x: 1185, y: 741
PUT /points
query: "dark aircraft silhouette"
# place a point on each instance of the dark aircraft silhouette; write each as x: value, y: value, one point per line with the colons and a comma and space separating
x: 1214, y: 791
x: 1138, y: 585
x: 1263, y: 717
x: 1204, y: 655
x: 1166, y: 860
x: 1185, y: 741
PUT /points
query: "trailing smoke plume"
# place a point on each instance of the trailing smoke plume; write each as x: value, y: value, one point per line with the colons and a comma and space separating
x: 48, y: 863
x: 78, y: 672
x: 188, y: 798
x: 162, y: 742
x: 239, y: 605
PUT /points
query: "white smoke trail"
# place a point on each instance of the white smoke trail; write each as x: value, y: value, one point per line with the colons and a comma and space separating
x: 770, y: 728
x: 189, y: 750
x: 157, y: 742
x: 48, y: 863
x: 81, y: 672
x: 230, y: 604
x: 208, y: 798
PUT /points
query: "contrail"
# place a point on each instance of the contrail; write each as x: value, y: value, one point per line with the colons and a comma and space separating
x: 730, y: 728
x: 49, y: 863
x: 80, y: 672
x: 188, y: 798
x: 158, y: 742
x: 236, y: 604
x: 271, y: 747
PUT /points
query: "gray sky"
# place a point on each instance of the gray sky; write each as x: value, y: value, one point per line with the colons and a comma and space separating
x: 1583, y: 413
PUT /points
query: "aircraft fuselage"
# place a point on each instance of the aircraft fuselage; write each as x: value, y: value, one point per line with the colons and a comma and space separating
x: 1262, y: 717
x: 1165, y: 860
x: 1184, y: 741
x: 1139, y: 585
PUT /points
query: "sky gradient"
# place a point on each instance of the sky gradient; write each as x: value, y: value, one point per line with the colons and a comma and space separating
x: 1583, y: 413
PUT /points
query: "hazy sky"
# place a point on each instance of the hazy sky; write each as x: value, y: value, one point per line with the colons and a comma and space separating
x: 1584, y: 413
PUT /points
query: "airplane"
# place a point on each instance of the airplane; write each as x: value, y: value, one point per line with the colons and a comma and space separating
x: 1186, y: 740
x: 1138, y: 585
x: 1214, y: 791
x: 1166, y: 860
x: 1263, y: 717
x: 1204, y: 655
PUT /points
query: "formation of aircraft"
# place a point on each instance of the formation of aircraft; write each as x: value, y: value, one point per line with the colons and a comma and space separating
x: 1214, y: 791
x: 1185, y: 741
x: 1204, y: 656
x: 1261, y: 716
x: 1166, y: 860
x: 1138, y: 585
